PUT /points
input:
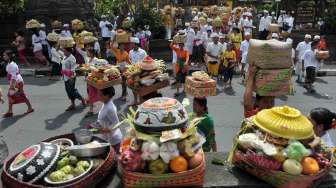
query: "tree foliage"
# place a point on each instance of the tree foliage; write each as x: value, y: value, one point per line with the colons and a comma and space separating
x: 110, y: 7
x: 11, y: 6
x: 147, y: 16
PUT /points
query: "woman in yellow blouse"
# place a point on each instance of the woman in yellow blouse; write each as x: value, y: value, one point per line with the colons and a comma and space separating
x: 236, y: 38
x: 229, y: 60
x: 122, y: 60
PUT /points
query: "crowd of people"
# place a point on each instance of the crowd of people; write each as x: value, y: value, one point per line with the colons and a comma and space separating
x: 222, y: 50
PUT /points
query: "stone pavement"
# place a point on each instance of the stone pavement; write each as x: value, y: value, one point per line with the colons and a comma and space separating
x: 36, y: 70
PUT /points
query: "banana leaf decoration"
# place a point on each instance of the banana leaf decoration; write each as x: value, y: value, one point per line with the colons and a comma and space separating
x: 130, y: 117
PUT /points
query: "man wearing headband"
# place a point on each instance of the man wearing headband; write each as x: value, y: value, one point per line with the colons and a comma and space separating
x: 137, y: 54
x: 264, y: 23
x: 214, y: 49
x: 301, y: 48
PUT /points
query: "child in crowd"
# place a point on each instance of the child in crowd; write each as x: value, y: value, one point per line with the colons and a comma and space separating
x: 323, y: 121
x: 206, y: 126
x: 228, y: 58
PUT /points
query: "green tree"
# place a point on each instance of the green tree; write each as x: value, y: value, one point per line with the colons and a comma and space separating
x: 11, y: 6
x: 147, y: 16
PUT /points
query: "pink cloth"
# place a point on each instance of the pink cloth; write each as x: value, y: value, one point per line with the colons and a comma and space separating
x: 93, y: 94
x: 22, y: 57
x: 67, y: 73
x: 18, y: 96
x: 143, y: 43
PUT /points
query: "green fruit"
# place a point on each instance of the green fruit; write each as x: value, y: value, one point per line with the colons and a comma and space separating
x: 73, y: 160
x: 78, y: 171
x: 67, y: 169
x: 63, y: 162
x: 158, y: 167
x: 83, y: 164
x: 57, y: 176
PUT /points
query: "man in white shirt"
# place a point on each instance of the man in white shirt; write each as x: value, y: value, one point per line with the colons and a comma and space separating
x: 45, y: 44
x: 137, y: 54
x: 66, y: 31
x: 281, y: 18
x: 264, y: 23
x: 106, y: 35
x: 248, y: 23
x: 214, y: 49
x: 310, y: 64
x: 244, y: 51
x: 289, y: 22
x: 190, y: 39
x: 301, y: 48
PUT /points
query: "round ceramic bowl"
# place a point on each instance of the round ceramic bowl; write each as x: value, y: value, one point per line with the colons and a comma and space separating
x: 35, y: 162
x: 160, y: 114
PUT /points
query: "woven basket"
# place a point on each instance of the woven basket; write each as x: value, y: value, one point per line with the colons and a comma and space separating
x: 192, y: 178
x: 274, y: 28
x: 105, y: 84
x: 122, y: 36
x: 88, y: 181
x: 31, y: 24
x: 278, y: 179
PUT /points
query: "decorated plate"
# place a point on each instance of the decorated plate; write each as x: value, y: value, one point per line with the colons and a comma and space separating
x: 34, y: 162
x: 159, y: 114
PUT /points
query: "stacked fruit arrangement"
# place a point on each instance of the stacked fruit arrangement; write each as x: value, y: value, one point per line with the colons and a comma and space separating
x: 102, y: 74
x: 161, y: 142
x: 279, y: 146
x: 146, y: 73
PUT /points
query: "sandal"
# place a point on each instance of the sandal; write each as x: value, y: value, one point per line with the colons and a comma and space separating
x: 29, y: 111
x: 70, y: 108
x: 8, y: 115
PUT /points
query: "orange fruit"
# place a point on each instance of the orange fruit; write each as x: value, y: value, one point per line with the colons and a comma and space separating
x: 179, y: 164
x: 309, y: 166
x: 100, y: 82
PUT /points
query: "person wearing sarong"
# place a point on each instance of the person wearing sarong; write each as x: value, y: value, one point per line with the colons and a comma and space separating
x: 56, y: 58
x: 16, y: 94
x: 236, y: 38
x: 37, y: 47
x: 228, y: 58
x: 181, y: 66
x: 92, y: 92
x: 69, y: 76
x: 251, y: 107
x: 122, y: 58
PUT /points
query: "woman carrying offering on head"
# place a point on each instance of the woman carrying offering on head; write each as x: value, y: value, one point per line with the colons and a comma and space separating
x: 182, y: 65
x: 16, y: 94
x: 122, y: 60
x: 261, y: 102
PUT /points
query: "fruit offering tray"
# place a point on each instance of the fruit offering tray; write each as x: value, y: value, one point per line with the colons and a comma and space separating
x: 278, y: 145
x: 96, y: 169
